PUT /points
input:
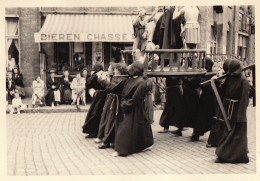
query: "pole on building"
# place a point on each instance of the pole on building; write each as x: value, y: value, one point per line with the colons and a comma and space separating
x: 254, y: 96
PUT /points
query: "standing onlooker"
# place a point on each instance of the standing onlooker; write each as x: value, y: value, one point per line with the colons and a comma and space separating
x: 10, y: 63
x: 18, y: 80
x: 233, y: 145
x: 78, y: 89
x: 10, y: 87
x: 53, y: 94
x: 38, y: 91
x: 65, y: 82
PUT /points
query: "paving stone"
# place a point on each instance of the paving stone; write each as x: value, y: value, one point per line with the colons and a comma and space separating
x: 53, y: 144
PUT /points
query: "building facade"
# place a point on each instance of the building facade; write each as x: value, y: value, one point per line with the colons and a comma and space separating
x: 43, y: 38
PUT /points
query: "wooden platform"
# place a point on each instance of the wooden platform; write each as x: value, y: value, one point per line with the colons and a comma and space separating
x: 174, y: 72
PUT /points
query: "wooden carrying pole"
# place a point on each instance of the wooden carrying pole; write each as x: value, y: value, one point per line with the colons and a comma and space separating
x: 224, y: 76
x: 213, y: 85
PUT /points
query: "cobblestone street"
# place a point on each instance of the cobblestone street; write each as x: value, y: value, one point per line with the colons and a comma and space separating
x: 53, y: 144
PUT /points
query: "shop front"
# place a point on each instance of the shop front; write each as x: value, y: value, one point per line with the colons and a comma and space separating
x: 82, y: 40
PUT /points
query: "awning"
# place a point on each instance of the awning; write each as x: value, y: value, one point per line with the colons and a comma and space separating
x: 86, y: 28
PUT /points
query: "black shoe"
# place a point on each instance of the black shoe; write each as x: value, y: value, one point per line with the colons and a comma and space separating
x: 177, y: 133
x: 195, y: 138
x: 103, y: 146
x: 218, y: 160
x: 90, y: 136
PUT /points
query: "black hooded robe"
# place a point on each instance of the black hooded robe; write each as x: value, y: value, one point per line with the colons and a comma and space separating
x: 94, y: 114
x: 134, y: 132
x: 206, y: 109
x: 111, y: 111
x: 172, y: 112
x: 190, y: 102
x: 233, y: 145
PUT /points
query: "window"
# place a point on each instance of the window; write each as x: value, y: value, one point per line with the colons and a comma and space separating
x: 12, y: 39
x: 213, y: 42
x: 247, y: 24
x: 242, y: 46
x: 240, y: 19
x: 71, y: 55
x: 229, y: 40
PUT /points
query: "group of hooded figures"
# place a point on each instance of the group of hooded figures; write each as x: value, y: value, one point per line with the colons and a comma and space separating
x: 118, y: 116
x: 190, y: 105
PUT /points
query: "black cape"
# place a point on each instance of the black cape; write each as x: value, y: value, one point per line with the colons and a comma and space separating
x: 233, y: 145
x: 190, y: 102
x: 206, y: 109
x: 111, y: 111
x: 134, y: 132
x: 172, y: 112
x: 94, y: 114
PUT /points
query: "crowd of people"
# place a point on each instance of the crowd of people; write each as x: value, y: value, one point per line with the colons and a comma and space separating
x: 120, y: 117
x: 118, y: 113
x: 121, y: 113
x: 56, y: 91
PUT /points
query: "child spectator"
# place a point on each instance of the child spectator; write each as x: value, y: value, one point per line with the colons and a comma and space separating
x: 17, y: 104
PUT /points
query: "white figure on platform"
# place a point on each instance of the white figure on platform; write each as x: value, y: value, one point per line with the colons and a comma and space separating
x: 191, y: 29
x: 141, y: 32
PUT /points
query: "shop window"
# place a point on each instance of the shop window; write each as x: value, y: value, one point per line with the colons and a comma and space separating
x: 78, y: 56
x: 12, y: 39
x: 115, y: 51
x: 63, y: 55
x: 71, y: 55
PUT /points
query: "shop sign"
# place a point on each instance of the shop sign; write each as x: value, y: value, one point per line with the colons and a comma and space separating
x: 83, y: 37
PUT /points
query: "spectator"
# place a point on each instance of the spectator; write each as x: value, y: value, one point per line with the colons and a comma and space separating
x: 38, y: 91
x: 10, y: 63
x: 86, y: 76
x: 18, y: 81
x: 17, y: 104
x: 66, y: 91
x: 78, y: 89
x: 10, y: 87
x: 53, y: 93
